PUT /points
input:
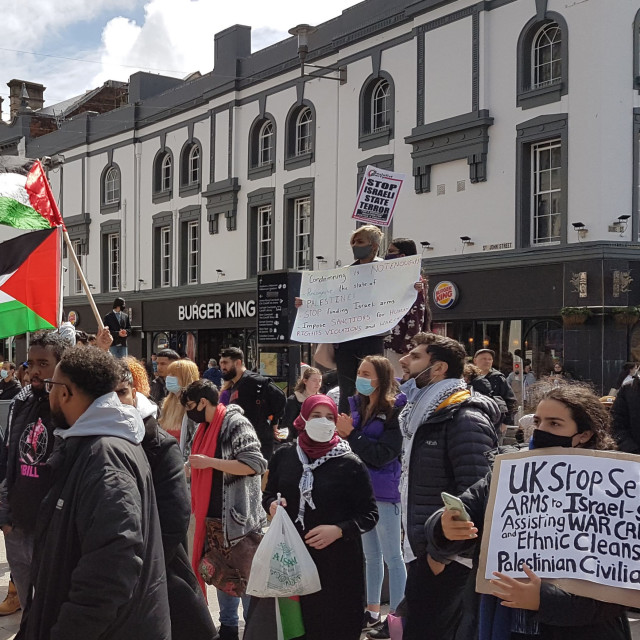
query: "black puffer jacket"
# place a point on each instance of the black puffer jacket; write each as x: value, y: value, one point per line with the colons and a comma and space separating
x: 190, y: 617
x: 626, y: 417
x: 502, y: 388
x: 448, y: 454
x: 562, y: 616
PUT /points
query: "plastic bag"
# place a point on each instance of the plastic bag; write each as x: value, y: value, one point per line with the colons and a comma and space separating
x: 282, y: 565
x: 396, y: 626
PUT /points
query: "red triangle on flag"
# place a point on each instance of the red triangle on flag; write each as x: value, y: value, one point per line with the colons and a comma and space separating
x: 36, y: 282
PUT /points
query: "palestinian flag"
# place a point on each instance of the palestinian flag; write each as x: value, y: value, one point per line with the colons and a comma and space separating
x: 26, y: 201
x: 30, y: 279
x: 274, y: 619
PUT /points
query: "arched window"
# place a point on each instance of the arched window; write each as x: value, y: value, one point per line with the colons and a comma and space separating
x: 304, y: 131
x: 265, y: 144
x: 166, y: 172
x: 190, y: 164
x: 380, y: 106
x: 163, y: 174
x: 112, y: 186
x: 546, y: 56
x: 194, y: 165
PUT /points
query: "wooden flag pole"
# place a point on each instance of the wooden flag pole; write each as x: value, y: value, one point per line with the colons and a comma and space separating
x: 85, y: 284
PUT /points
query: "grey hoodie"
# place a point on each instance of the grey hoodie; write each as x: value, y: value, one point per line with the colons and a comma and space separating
x: 107, y: 416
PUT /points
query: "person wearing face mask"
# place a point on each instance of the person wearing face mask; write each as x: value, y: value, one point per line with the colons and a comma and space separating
x: 568, y: 416
x: 226, y: 465
x: 119, y: 325
x: 9, y: 385
x: 173, y: 419
x: 326, y: 490
x: 446, y: 434
x: 373, y: 432
x: 417, y: 319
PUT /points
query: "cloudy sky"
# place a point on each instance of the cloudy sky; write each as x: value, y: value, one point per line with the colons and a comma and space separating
x: 72, y: 46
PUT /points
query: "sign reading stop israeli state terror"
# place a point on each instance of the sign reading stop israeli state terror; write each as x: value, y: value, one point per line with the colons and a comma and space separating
x: 378, y: 196
x: 567, y: 513
x: 356, y: 301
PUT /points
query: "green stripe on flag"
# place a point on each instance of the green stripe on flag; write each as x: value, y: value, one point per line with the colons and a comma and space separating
x: 20, y: 216
x: 291, y: 618
x: 16, y: 319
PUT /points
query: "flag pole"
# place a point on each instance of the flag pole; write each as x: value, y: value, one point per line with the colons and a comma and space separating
x: 85, y: 284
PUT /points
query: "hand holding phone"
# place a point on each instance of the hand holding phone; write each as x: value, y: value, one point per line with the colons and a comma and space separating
x: 454, y: 503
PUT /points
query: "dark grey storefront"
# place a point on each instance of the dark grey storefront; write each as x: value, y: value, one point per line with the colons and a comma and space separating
x: 512, y: 302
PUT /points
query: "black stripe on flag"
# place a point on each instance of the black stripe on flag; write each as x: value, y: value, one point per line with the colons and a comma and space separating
x: 15, y: 251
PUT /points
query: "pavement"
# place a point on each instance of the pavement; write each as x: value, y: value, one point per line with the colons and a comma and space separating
x: 9, y: 625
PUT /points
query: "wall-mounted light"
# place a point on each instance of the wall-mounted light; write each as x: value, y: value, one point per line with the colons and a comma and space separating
x: 321, y: 259
x: 91, y: 286
x: 303, y: 31
x: 141, y: 281
x: 221, y: 274
x: 581, y: 230
x: 466, y: 242
x: 620, y: 225
x: 426, y: 246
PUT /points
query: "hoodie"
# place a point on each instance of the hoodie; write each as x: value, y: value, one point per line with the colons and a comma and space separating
x: 146, y: 407
x: 107, y: 416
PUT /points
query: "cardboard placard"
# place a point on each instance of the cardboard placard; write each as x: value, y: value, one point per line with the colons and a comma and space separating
x: 566, y: 512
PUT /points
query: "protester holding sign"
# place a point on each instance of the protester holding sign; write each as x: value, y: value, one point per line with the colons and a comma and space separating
x: 567, y: 416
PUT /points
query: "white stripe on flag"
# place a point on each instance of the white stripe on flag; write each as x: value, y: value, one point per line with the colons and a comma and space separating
x: 12, y: 185
x: 5, y: 297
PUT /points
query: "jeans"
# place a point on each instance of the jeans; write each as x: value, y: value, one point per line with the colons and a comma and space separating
x: 383, y: 541
x: 19, y: 547
x: 119, y: 351
x: 229, y: 608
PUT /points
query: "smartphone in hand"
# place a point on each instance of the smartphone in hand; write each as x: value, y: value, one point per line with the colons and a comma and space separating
x: 453, y: 502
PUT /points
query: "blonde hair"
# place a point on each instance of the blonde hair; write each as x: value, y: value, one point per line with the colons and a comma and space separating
x: 306, y: 374
x: 372, y: 233
x: 139, y: 375
x: 172, y: 411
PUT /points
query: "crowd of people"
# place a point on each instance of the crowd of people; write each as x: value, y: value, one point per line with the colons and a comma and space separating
x: 128, y: 487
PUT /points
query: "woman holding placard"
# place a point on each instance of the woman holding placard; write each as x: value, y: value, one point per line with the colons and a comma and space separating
x: 326, y: 491
x: 567, y: 416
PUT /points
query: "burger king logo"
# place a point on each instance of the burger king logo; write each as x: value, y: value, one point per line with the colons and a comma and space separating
x: 445, y: 294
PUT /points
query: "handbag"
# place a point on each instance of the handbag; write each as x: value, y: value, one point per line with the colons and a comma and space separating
x: 325, y: 356
x: 282, y: 566
x: 227, y: 568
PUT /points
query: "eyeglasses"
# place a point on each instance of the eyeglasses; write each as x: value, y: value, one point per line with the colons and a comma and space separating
x: 48, y: 386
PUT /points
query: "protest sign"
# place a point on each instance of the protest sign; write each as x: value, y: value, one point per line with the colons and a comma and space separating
x: 356, y: 301
x: 572, y: 515
x: 378, y: 196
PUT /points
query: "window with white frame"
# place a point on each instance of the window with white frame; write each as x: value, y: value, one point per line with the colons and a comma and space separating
x: 546, y: 56
x: 265, y: 246
x: 265, y: 144
x: 165, y: 256
x: 112, y: 186
x: 193, y: 165
x: 304, y: 124
x: 192, y: 252
x: 113, y: 246
x: 78, y: 247
x: 380, y: 106
x: 302, y: 233
x: 165, y: 173
x: 546, y: 196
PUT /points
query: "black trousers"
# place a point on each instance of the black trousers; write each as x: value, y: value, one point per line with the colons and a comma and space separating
x: 348, y: 356
x: 434, y: 603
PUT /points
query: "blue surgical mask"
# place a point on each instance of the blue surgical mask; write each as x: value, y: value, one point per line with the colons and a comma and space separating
x: 4, y: 374
x: 172, y: 384
x: 411, y: 389
x: 364, y: 386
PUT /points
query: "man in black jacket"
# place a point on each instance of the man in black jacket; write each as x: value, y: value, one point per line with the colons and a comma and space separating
x: 98, y: 568
x: 626, y: 417
x: 29, y: 441
x: 483, y: 359
x: 120, y: 327
x: 446, y: 434
x: 158, y: 386
x: 262, y: 401
x: 9, y: 386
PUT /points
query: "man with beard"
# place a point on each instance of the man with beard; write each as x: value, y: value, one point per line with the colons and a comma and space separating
x: 29, y: 442
x: 262, y: 401
x: 446, y: 432
x: 98, y: 570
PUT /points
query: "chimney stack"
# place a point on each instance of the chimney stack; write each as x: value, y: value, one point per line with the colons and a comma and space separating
x: 23, y: 95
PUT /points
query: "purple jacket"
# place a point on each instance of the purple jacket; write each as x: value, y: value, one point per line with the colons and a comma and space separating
x: 379, y: 444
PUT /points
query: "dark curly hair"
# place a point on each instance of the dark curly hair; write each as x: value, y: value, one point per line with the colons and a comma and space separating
x: 588, y: 413
x: 92, y: 371
x: 51, y: 339
x: 199, y: 389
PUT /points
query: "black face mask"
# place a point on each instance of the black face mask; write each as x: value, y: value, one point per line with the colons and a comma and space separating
x: 230, y: 375
x: 197, y: 416
x: 544, y: 439
x: 362, y: 252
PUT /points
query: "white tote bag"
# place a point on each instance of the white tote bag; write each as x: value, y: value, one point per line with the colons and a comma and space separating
x: 282, y: 566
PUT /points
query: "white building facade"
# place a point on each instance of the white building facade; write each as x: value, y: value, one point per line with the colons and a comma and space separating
x: 517, y: 123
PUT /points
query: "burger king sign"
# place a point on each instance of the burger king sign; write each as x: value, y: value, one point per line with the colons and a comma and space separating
x: 445, y: 294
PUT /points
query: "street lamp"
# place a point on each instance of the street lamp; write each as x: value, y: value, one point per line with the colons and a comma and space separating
x: 303, y: 31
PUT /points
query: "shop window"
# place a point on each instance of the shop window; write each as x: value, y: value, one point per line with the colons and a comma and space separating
x: 376, y: 111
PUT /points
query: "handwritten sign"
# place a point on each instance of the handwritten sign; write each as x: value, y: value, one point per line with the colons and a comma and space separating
x: 378, y: 196
x: 570, y: 514
x: 356, y: 301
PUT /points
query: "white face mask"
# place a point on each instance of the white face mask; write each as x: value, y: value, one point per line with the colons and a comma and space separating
x: 320, y: 429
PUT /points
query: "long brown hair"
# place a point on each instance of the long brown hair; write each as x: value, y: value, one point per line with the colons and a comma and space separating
x: 306, y: 374
x: 387, y: 390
